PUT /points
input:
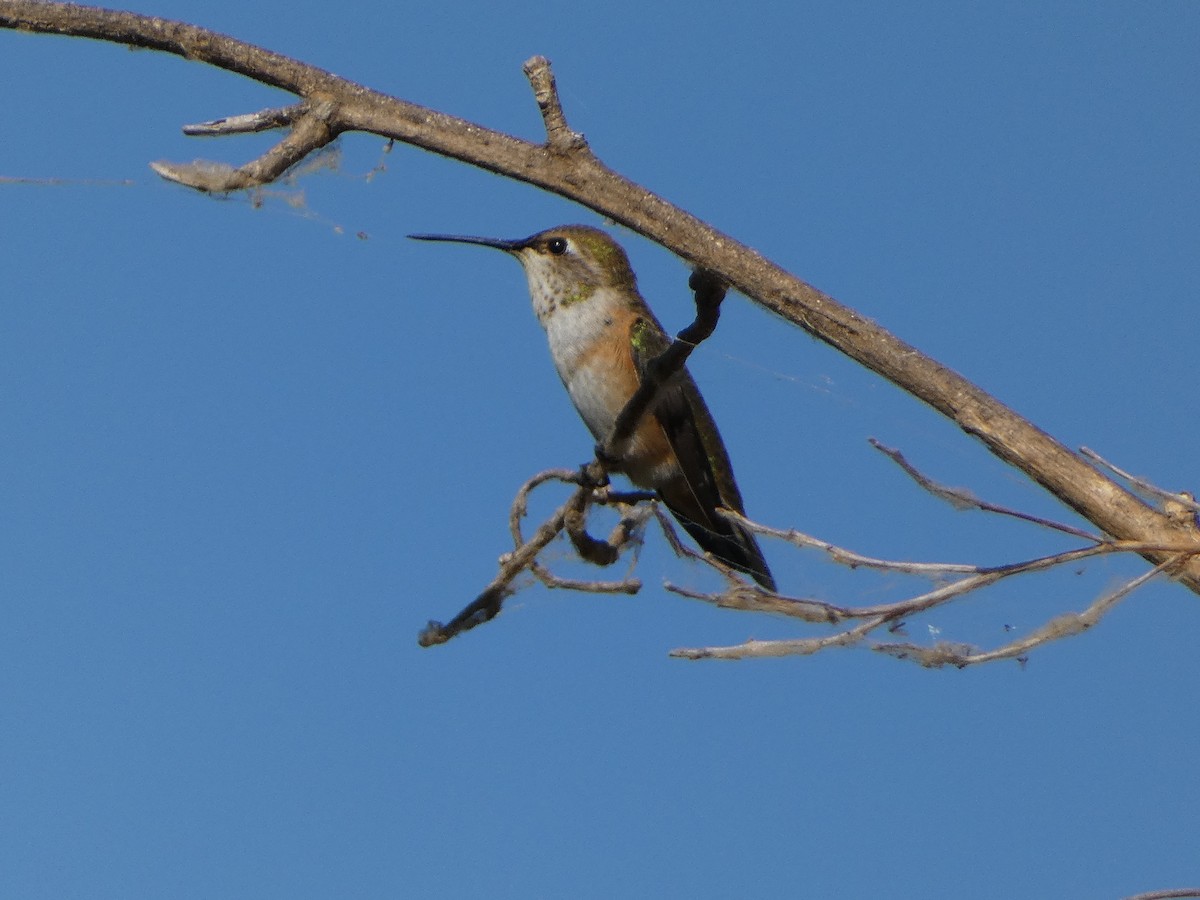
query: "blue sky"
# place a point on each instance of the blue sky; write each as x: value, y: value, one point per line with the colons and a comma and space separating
x: 248, y: 454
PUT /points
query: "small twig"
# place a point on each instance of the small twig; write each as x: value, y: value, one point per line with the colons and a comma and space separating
x: 559, y: 137
x: 846, y: 557
x: 751, y: 598
x: 487, y: 605
x: 1183, y: 498
x: 796, y: 647
x: 960, y: 498
x: 520, y: 504
x: 310, y: 131
x: 678, y: 547
x: 594, y: 550
x: 585, y: 586
x: 248, y: 123
x: 601, y: 551
x: 619, y: 537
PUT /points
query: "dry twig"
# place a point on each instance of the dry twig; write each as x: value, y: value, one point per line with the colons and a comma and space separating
x: 961, y: 499
x: 742, y: 595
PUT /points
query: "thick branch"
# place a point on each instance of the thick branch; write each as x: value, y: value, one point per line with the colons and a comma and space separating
x: 581, y: 177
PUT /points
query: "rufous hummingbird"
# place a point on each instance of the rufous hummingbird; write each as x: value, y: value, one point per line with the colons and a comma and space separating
x: 602, y: 334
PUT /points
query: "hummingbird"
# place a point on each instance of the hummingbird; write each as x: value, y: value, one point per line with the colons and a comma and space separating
x: 602, y: 335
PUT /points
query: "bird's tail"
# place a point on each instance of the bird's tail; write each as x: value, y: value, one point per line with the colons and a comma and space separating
x: 733, y: 545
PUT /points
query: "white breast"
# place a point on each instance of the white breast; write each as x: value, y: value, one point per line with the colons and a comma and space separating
x: 587, y: 359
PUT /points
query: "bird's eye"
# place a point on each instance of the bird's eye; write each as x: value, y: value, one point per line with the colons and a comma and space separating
x: 557, y: 246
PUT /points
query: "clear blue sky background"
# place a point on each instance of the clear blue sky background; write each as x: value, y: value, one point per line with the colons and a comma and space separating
x: 247, y: 454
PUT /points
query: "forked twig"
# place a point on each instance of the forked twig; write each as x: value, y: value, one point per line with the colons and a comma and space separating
x: 312, y: 127
x: 849, y: 558
x: 741, y: 595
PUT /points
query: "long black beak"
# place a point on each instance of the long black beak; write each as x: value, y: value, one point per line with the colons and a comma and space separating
x: 507, y: 246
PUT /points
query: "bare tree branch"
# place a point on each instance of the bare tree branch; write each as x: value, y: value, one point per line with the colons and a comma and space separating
x: 565, y: 166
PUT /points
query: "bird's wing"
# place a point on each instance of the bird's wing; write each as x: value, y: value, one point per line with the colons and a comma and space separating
x: 689, y: 427
x: 706, y: 480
